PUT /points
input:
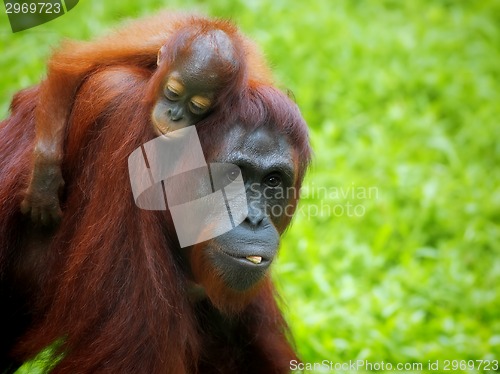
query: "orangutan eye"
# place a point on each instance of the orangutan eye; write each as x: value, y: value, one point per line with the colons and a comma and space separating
x: 232, y: 174
x: 199, y: 104
x: 273, y: 180
x: 173, y: 89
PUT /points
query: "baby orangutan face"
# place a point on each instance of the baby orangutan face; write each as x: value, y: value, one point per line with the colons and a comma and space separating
x: 185, y: 100
x: 190, y: 89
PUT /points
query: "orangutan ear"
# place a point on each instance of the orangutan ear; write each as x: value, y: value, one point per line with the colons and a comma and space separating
x: 160, y: 55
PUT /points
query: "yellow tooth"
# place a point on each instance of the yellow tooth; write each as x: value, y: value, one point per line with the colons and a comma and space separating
x: 254, y: 259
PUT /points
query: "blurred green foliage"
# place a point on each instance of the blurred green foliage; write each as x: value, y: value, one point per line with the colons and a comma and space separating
x: 403, y: 100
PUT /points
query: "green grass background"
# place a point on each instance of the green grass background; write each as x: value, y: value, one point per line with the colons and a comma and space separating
x: 403, y: 100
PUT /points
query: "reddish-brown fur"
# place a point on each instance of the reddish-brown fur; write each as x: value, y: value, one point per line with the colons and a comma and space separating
x: 135, y: 45
x: 109, y: 281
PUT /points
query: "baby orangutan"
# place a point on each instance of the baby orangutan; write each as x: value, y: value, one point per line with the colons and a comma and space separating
x: 189, y: 89
x: 195, y: 66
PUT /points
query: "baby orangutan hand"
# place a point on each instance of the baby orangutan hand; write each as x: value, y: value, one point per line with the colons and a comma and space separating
x: 41, y: 198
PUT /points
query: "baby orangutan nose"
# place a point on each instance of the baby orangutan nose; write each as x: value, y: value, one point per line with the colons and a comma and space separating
x: 175, y: 114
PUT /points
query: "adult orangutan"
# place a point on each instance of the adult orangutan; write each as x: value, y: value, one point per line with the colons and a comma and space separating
x: 197, y: 66
x: 110, y: 289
